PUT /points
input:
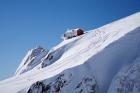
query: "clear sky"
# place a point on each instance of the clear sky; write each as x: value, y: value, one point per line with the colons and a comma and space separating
x: 25, y: 24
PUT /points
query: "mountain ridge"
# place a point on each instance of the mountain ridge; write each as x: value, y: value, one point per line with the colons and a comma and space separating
x: 94, y: 54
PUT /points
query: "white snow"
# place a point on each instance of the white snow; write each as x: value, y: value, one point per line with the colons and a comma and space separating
x: 97, y: 56
x: 31, y: 60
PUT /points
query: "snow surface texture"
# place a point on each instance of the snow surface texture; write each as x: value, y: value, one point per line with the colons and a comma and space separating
x: 104, y: 60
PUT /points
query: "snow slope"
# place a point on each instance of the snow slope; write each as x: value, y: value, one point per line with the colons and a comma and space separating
x: 96, y: 62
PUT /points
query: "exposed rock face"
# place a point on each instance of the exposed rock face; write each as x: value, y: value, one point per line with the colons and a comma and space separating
x: 31, y: 60
x: 86, y: 84
x: 53, y: 87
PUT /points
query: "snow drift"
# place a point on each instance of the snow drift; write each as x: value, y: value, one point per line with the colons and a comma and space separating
x: 104, y: 60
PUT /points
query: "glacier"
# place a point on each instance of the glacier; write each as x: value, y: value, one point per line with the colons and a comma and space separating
x: 103, y: 60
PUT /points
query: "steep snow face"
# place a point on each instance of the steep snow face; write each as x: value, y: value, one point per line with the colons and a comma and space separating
x: 86, y: 64
x: 127, y: 80
x: 58, y: 52
x: 31, y: 60
x: 97, y: 73
x: 67, y: 82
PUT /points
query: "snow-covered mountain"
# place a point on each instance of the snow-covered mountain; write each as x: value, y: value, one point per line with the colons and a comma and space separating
x: 31, y: 60
x: 104, y: 60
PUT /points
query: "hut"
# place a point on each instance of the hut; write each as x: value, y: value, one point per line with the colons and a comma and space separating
x: 73, y: 33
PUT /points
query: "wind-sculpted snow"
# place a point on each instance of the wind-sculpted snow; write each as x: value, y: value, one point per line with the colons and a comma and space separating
x: 56, y: 54
x: 105, y: 60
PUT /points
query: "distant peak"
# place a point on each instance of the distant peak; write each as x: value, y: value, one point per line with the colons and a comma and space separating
x: 32, y: 59
x: 36, y: 51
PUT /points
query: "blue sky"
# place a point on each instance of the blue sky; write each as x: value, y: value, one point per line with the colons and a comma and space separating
x: 25, y: 24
